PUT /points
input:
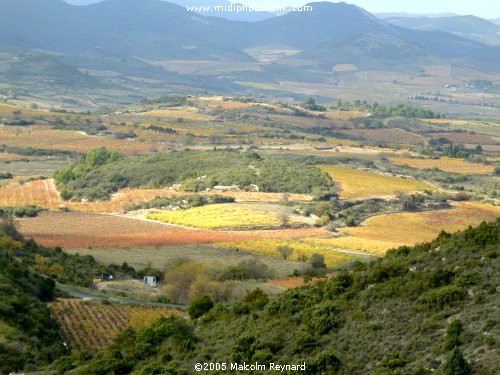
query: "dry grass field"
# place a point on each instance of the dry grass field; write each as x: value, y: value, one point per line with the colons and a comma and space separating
x: 301, y: 250
x: 446, y: 165
x: 86, y: 230
x: 92, y: 326
x: 358, y: 184
x: 8, y: 110
x: 4, y: 156
x: 211, y: 257
x: 217, y: 216
x: 380, y: 233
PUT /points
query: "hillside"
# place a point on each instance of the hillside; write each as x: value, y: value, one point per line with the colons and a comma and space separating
x: 29, y: 336
x: 101, y: 173
x: 160, y: 30
x: 417, y: 310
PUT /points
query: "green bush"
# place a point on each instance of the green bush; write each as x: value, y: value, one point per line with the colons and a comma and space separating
x: 325, y: 318
x: 200, y: 307
x: 440, y: 297
x: 456, y: 364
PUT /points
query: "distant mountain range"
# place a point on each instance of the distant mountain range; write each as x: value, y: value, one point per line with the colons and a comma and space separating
x: 131, y: 36
x: 471, y: 27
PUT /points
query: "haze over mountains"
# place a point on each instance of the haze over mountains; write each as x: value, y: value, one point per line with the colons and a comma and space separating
x: 133, y: 37
x: 471, y: 27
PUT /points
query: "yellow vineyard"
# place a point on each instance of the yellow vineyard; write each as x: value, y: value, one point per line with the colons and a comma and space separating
x: 380, y: 233
x: 216, y: 217
x: 372, y: 246
x: 301, y: 250
x: 356, y: 184
x: 446, y: 165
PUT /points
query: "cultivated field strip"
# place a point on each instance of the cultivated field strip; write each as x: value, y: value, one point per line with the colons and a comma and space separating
x: 446, y: 165
x: 44, y: 193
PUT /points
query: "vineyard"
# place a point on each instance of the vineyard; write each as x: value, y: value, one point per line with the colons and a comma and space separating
x: 301, y: 250
x: 217, y: 217
x: 92, y: 326
x: 411, y: 228
x: 85, y: 230
x: 42, y: 193
x: 357, y: 184
x: 372, y: 246
x: 446, y: 165
x: 50, y: 139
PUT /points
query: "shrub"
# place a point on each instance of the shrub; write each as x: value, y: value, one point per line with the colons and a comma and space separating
x: 325, y: 318
x: 323, y: 363
x: 443, y: 296
x: 285, y: 251
x: 317, y: 261
x: 200, y: 307
x: 456, y: 364
x: 257, y: 298
x: 453, y: 333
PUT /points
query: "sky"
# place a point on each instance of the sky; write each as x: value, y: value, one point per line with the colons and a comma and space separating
x: 482, y: 8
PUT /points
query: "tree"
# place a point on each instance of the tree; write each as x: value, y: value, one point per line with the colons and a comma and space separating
x: 284, y: 219
x: 456, y: 364
x: 453, y: 333
x: 285, y: 251
x: 9, y: 226
x: 215, y: 139
x: 200, y: 307
x: 317, y: 261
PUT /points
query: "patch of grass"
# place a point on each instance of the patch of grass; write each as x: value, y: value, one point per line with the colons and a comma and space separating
x: 302, y: 251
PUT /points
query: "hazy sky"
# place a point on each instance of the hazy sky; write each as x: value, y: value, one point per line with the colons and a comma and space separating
x: 481, y: 8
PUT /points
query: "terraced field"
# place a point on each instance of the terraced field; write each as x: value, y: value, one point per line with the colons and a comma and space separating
x: 446, y: 164
x: 358, y: 184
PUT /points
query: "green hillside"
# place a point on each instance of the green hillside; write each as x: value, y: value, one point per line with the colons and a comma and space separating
x: 426, y: 309
x: 29, y: 336
x: 101, y: 173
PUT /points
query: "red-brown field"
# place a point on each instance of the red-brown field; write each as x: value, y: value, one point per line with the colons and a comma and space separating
x: 467, y: 138
x: 387, y: 135
x: 84, y: 230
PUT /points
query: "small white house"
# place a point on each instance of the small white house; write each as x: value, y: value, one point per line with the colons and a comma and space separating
x: 150, y: 281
